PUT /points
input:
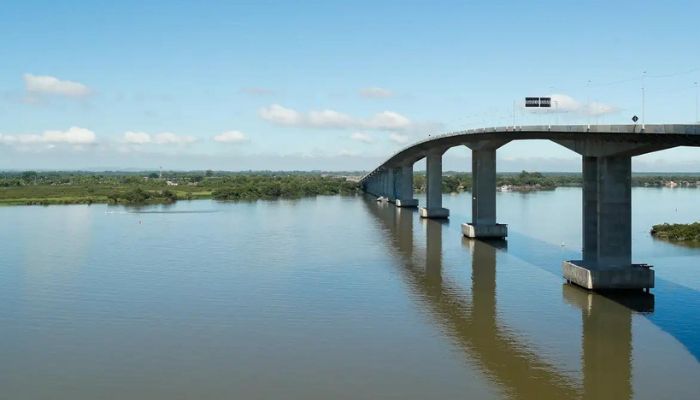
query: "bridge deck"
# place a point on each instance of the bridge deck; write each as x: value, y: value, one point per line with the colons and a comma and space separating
x: 668, y: 135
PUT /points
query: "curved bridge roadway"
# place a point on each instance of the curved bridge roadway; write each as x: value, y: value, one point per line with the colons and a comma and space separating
x: 606, y: 152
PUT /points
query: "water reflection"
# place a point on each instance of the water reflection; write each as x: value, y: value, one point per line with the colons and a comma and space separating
x: 471, y: 322
x: 470, y: 317
x: 606, y: 345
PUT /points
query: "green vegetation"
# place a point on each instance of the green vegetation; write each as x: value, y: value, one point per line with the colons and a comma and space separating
x: 44, y: 188
x: 523, y: 181
x: 140, y: 196
x: 250, y: 187
x: 149, y: 187
x: 677, y: 232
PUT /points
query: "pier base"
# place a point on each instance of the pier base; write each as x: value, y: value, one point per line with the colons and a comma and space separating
x: 407, y: 203
x: 491, y: 231
x: 636, y: 276
x: 434, y: 212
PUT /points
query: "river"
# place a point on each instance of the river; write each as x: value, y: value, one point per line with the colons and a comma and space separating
x: 337, y: 297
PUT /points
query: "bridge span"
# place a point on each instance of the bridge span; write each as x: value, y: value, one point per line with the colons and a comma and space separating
x: 606, y: 153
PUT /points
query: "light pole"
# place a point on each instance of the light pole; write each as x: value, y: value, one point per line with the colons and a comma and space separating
x: 644, y: 75
x: 588, y: 103
x: 697, y: 120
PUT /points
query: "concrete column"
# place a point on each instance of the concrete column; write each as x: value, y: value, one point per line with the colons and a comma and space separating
x: 483, y: 223
x: 434, y: 180
x: 590, y: 210
x: 390, y: 185
x: 484, y: 187
x: 607, y: 228
x: 433, y: 208
x: 382, y: 185
x: 404, y: 195
x: 615, y: 211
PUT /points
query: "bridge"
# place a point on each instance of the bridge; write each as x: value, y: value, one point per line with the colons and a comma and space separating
x: 606, y: 152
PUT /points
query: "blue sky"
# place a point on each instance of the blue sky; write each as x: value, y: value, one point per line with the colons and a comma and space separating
x: 326, y: 84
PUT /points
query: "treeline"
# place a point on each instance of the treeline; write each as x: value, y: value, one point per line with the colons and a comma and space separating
x: 160, y: 187
x: 141, y: 196
x: 460, y: 182
x: 250, y: 187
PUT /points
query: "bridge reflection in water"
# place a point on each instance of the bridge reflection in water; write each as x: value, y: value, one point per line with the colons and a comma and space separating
x: 471, y: 319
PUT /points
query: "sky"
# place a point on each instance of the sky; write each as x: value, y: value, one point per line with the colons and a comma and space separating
x: 331, y: 85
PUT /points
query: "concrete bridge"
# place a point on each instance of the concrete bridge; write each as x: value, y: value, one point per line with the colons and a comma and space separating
x: 606, y: 152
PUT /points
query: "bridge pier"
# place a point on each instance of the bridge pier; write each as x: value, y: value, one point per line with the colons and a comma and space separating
x: 404, y: 186
x: 433, y: 192
x: 607, y: 228
x: 483, y: 223
x: 389, y: 185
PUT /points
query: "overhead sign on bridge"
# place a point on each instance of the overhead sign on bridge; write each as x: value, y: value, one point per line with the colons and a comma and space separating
x: 538, y: 102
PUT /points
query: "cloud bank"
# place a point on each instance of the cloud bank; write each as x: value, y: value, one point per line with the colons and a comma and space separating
x: 331, y: 119
x: 72, y: 136
x: 164, y: 138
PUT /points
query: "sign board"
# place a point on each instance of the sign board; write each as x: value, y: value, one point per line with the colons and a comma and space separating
x: 532, y: 102
x: 538, y: 102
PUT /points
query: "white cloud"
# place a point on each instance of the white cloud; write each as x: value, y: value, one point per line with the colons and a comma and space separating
x: 165, y: 138
x: 375, y: 92
x: 49, y: 85
x: 329, y: 119
x: 362, y: 137
x: 281, y: 115
x: 386, y: 120
x: 72, y: 136
x: 562, y: 103
x: 231, y: 137
x: 137, y: 137
x: 398, y: 138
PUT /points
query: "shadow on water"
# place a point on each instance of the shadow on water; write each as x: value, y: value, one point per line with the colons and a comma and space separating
x: 672, y: 307
x: 473, y: 324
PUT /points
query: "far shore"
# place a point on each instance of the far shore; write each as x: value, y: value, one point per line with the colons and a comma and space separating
x: 150, y: 187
